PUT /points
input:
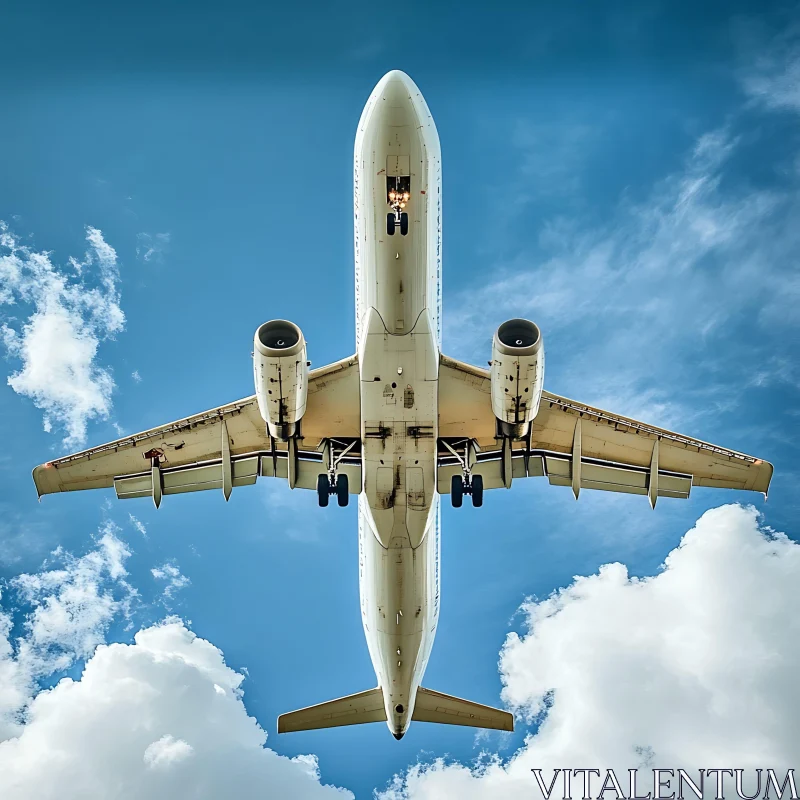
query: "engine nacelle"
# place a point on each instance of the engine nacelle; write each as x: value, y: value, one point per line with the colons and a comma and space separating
x: 281, y: 376
x: 517, y: 375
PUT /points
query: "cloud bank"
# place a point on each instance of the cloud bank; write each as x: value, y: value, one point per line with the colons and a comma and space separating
x: 162, y: 717
x: 72, y: 309
x: 691, y: 668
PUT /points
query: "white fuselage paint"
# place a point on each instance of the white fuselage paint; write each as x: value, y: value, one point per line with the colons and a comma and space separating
x: 398, y: 301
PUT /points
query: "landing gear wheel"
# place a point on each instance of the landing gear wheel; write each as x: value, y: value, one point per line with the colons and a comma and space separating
x: 477, y: 491
x: 404, y: 223
x: 323, y: 489
x: 390, y: 222
x: 457, y: 491
x: 342, y: 490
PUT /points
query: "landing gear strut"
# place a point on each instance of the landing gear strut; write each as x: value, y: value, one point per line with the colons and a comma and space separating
x: 334, y: 482
x: 468, y: 482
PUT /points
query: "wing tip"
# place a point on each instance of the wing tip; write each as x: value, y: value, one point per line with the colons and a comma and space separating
x: 38, y: 476
x: 765, y: 473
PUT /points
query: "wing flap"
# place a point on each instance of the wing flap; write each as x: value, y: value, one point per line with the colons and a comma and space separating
x: 613, y: 438
x: 188, y: 479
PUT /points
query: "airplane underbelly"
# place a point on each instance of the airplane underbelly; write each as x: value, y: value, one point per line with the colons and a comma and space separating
x: 397, y: 179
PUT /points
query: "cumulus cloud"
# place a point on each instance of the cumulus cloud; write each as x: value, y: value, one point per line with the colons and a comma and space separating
x: 690, y: 668
x: 152, y: 247
x: 68, y: 607
x: 171, y: 574
x: 138, y: 524
x: 137, y: 378
x: 160, y: 718
x: 72, y: 309
x: 166, y: 751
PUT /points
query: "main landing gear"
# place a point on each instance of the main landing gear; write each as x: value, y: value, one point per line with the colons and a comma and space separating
x: 326, y: 487
x: 465, y: 451
x: 471, y: 485
x: 334, y: 482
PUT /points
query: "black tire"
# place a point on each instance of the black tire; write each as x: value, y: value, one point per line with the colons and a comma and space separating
x: 457, y: 491
x: 342, y: 490
x: 390, y: 222
x: 477, y: 491
x: 323, y: 489
x: 404, y: 223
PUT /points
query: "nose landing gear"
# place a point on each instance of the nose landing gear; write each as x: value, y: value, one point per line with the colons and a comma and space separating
x: 398, y: 194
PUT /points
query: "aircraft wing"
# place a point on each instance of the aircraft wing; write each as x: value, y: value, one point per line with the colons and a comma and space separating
x: 222, y: 448
x: 576, y: 445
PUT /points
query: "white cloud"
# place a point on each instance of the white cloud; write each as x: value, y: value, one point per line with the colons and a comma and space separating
x: 138, y: 524
x: 775, y: 81
x: 166, y: 751
x: 170, y: 573
x: 137, y: 378
x: 691, y: 668
x: 703, y: 258
x: 69, y: 606
x: 152, y: 247
x: 73, y: 309
x: 162, y: 717
x: 148, y: 720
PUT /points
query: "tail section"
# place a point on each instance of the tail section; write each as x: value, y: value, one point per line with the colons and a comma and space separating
x: 442, y: 708
x: 352, y: 710
x: 369, y: 706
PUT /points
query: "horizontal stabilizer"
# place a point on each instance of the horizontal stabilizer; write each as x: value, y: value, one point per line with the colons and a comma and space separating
x: 351, y: 710
x: 442, y: 708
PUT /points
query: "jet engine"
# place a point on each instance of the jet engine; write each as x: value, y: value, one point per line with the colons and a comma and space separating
x: 517, y: 375
x: 281, y: 376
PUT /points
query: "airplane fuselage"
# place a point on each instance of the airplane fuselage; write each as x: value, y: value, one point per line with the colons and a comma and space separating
x: 398, y: 300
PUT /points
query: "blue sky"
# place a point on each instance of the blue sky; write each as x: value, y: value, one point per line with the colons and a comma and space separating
x: 625, y: 175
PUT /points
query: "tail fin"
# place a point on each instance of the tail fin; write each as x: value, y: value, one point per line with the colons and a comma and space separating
x: 442, y: 708
x: 352, y: 710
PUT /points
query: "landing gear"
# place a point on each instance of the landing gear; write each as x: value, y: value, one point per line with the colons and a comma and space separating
x: 323, y: 489
x: 465, y: 453
x: 334, y: 481
x: 340, y: 487
x: 477, y: 491
x: 457, y: 491
x: 393, y: 220
x: 398, y: 194
x: 342, y: 490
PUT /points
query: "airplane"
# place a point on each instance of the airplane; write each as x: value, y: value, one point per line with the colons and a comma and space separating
x: 398, y: 424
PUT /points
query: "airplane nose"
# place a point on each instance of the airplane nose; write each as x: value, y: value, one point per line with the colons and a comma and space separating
x: 396, y: 87
x: 396, y: 75
x: 399, y: 736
